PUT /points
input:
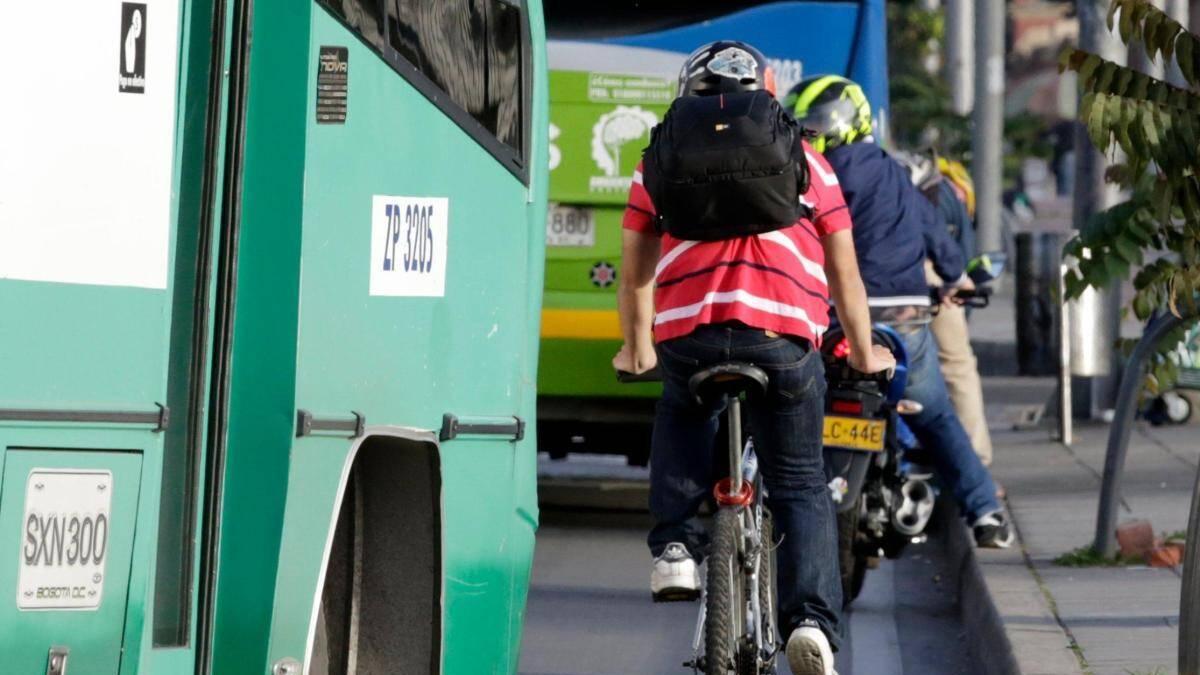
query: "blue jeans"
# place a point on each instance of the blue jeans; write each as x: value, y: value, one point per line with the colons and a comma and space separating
x: 942, y: 436
x: 787, y: 434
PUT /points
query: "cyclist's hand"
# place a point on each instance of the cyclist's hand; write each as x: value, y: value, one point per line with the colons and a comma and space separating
x: 636, y: 361
x: 878, y: 360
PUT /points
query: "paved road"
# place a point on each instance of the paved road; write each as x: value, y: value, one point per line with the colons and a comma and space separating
x: 590, y: 611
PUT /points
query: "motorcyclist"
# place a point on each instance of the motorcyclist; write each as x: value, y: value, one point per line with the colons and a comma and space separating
x: 959, y: 365
x: 895, y: 230
x: 688, y: 305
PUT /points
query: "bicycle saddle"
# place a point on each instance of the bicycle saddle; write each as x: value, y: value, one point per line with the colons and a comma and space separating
x: 727, y: 379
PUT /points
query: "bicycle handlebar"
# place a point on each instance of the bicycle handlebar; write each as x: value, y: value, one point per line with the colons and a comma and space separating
x: 978, y: 297
x: 652, y: 375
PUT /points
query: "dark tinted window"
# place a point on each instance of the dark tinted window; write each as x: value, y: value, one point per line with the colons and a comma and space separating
x: 471, y: 49
x: 361, y: 15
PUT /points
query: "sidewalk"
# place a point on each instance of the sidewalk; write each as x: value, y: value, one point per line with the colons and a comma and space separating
x: 1099, y: 620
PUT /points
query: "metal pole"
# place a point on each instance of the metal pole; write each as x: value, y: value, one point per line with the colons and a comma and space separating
x: 1189, y: 600
x: 1118, y: 436
x: 960, y: 54
x: 735, y: 444
x: 986, y: 162
x: 1100, y: 310
x: 1066, y: 430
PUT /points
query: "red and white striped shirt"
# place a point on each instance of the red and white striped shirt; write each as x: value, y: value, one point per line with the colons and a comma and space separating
x: 774, y: 281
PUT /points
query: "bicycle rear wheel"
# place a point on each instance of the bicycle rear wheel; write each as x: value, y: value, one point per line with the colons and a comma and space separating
x: 723, y: 603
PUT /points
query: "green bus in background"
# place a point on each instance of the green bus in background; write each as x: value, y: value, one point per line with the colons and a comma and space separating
x: 268, y: 335
x: 613, y: 75
x: 604, y: 100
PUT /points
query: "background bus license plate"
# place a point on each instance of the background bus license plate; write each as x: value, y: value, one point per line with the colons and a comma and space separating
x: 854, y: 433
x: 64, y: 539
x: 570, y: 226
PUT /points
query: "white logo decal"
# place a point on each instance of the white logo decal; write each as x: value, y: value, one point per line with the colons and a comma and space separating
x: 735, y: 63
x: 131, y: 37
x: 555, y: 152
x: 408, y: 245
x: 612, y: 133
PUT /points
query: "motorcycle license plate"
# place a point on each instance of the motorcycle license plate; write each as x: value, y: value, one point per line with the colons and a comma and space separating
x: 854, y: 433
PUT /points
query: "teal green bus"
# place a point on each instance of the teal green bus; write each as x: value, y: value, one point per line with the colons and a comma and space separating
x: 270, y: 280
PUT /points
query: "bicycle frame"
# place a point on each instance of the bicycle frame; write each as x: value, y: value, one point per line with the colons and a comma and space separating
x: 751, y: 548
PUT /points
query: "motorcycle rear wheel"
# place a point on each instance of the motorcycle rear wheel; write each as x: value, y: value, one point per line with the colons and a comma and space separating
x: 853, y: 565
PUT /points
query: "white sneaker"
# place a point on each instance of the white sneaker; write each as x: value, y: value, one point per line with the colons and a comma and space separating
x: 675, y: 577
x: 994, y: 530
x: 809, y: 653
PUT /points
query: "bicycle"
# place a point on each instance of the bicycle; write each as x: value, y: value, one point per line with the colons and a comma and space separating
x: 736, y: 632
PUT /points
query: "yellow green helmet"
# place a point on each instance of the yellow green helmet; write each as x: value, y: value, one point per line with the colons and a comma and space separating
x: 832, y: 106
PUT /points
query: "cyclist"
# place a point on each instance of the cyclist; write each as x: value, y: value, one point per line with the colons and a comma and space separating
x: 895, y: 230
x: 762, y: 299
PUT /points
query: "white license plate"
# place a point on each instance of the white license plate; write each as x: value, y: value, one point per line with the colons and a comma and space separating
x: 570, y: 226
x: 64, y: 539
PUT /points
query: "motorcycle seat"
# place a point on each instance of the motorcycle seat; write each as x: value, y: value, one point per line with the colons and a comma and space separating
x: 732, y: 378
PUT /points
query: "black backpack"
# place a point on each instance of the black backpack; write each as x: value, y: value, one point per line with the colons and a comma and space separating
x: 726, y: 166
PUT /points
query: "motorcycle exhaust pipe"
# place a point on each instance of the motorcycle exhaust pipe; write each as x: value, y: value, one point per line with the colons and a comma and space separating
x: 915, y: 508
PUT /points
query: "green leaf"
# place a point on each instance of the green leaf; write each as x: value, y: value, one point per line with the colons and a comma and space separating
x: 1186, y: 124
x: 1142, y: 307
x: 1115, y: 268
x: 1117, y: 115
x: 1168, y: 37
x: 1112, y: 11
x: 1125, y: 24
x: 1149, y: 31
x: 1121, y: 80
x: 1088, y: 68
x: 1128, y: 249
x: 1103, y: 79
x: 1097, y: 131
x: 1163, y: 199
x: 1139, y: 87
x: 1149, y: 131
x: 1159, y: 91
x: 1184, y: 47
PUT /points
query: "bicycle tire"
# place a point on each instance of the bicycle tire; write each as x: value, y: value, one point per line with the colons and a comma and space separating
x: 722, y: 597
x: 853, y: 566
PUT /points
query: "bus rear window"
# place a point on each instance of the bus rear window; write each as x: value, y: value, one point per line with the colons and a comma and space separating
x: 471, y: 49
x: 363, y: 16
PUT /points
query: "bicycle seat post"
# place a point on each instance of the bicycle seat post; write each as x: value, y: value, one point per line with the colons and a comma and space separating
x: 735, y: 441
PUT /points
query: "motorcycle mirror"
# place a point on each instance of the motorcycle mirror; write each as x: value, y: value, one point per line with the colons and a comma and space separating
x: 908, y: 407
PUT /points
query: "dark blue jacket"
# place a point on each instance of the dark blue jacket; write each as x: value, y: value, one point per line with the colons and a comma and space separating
x: 895, y: 226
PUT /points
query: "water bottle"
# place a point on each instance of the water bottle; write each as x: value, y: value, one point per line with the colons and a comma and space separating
x: 749, y: 463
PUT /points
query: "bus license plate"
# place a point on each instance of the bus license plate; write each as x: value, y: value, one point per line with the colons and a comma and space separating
x: 854, y: 433
x: 570, y: 226
x: 64, y: 539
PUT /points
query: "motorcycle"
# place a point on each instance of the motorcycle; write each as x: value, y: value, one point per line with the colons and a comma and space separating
x: 883, y: 501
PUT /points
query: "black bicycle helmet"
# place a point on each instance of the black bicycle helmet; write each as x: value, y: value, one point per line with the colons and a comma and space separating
x: 725, y: 67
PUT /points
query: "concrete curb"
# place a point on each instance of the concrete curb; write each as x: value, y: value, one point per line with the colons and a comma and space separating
x: 989, y: 645
x: 1009, y: 618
